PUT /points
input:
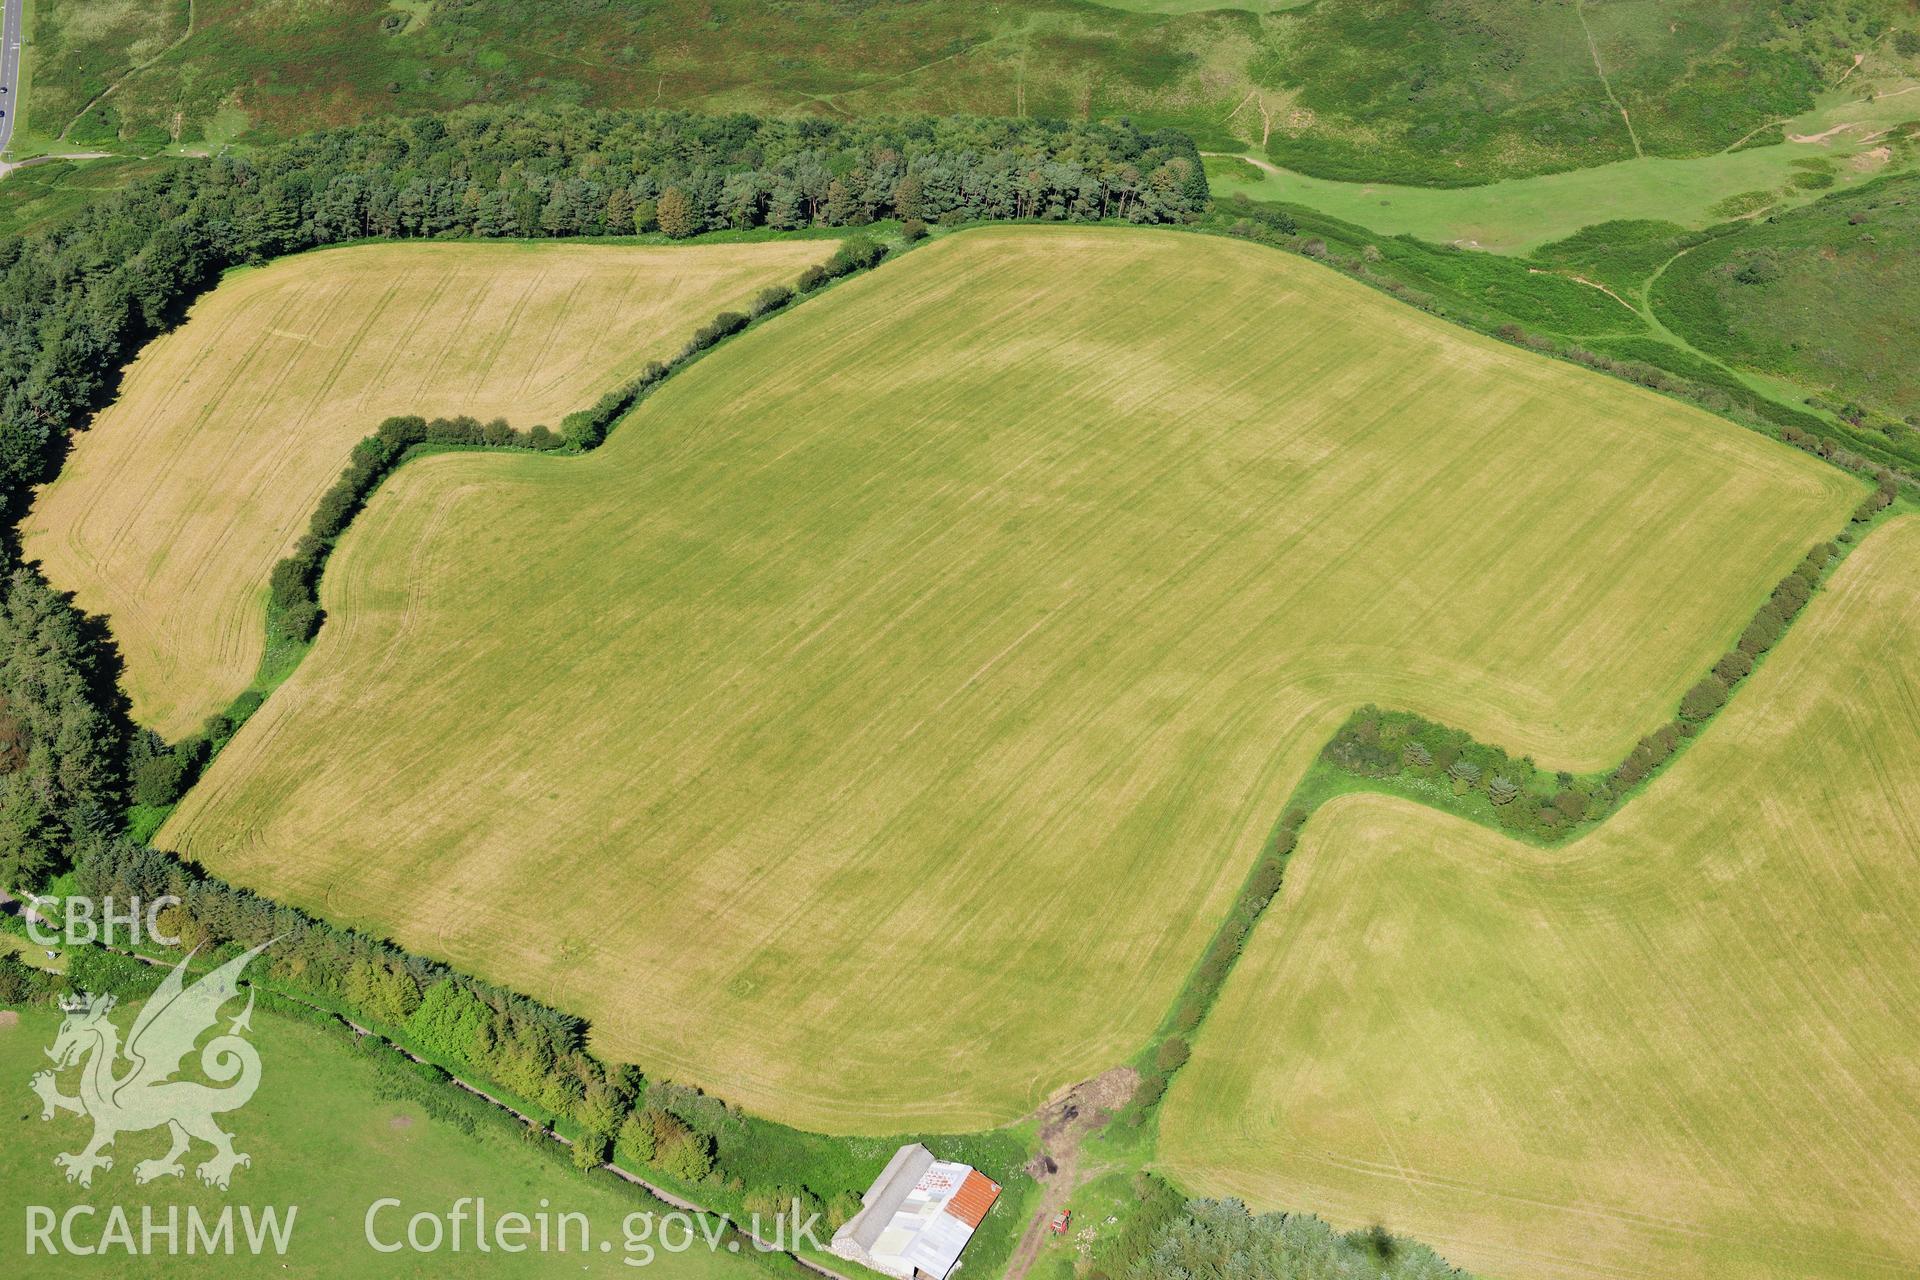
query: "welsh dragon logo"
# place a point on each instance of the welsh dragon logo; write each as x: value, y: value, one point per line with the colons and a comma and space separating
x: 141, y: 1094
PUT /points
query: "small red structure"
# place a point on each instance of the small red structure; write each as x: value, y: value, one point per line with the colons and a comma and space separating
x: 1060, y: 1220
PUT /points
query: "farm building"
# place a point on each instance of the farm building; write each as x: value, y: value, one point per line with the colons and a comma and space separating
x: 917, y: 1216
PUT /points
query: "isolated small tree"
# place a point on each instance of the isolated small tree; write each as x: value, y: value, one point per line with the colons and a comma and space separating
x: 300, y: 620
x: 589, y: 1150
x: 689, y: 1157
x: 771, y: 299
x: 1502, y: 790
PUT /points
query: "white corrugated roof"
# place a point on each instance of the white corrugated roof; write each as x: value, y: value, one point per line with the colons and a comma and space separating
x: 920, y: 1235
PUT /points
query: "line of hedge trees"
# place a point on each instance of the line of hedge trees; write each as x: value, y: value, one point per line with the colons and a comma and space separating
x: 78, y: 300
x: 534, y: 1056
x: 534, y: 1052
x: 1447, y: 767
x: 1352, y: 250
x: 396, y: 1076
x: 160, y: 774
x: 1451, y: 770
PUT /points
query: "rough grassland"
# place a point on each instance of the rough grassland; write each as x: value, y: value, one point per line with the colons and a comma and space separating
x: 171, y: 510
x: 874, y: 729
x: 326, y: 1135
x: 1684, y: 1046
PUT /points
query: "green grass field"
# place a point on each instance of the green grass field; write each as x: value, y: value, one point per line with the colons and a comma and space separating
x: 1680, y: 1047
x: 173, y: 506
x: 875, y: 728
x: 1857, y: 136
x: 327, y: 1135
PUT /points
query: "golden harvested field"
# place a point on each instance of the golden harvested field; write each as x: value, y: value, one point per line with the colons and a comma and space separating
x: 876, y: 726
x: 1685, y: 1046
x: 173, y: 507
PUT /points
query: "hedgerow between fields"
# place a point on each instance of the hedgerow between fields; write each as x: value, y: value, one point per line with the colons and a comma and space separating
x: 86, y: 296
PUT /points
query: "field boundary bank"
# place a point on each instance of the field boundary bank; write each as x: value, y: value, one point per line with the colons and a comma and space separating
x: 1324, y: 778
x: 1305, y: 231
x: 1263, y: 879
x: 1343, y: 768
x: 293, y: 614
x: 1167, y: 1053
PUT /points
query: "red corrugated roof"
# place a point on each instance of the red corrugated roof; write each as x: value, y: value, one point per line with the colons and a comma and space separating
x: 975, y: 1196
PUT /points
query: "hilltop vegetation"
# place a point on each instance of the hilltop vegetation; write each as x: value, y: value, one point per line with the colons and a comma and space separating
x: 940, y: 589
x: 1458, y: 93
x: 1409, y: 90
x: 1827, y: 296
x: 1671, y: 1048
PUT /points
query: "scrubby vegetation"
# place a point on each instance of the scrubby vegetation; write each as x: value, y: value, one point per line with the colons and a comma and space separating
x: 1827, y: 295
x: 1410, y: 90
x: 1454, y: 94
x: 1163, y: 1236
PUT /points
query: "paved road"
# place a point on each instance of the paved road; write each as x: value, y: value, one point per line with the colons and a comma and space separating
x: 10, y: 40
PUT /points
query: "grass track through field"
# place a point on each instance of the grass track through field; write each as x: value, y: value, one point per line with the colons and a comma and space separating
x: 174, y: 505
x: 952, y: 641
x: 1649, y: 1053
x: 1518, y: 215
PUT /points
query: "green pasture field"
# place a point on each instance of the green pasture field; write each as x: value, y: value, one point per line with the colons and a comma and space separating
x: 330, y: 1134
x: 1854, y: 137
x: 1680, y: 1046
x: 875, y: 728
